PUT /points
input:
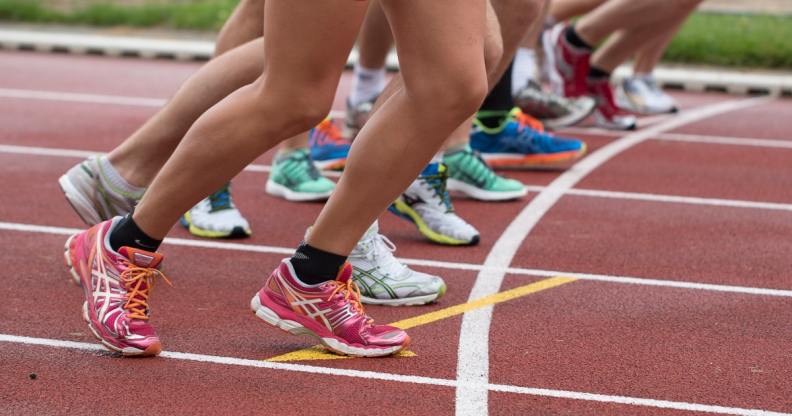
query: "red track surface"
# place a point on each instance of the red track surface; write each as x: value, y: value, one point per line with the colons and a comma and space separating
x: 687, y: 344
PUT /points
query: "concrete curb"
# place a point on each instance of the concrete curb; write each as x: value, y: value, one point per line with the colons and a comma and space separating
x: 685, y: 78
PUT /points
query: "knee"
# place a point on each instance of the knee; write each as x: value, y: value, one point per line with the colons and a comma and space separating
x: 493, y: 52
x: 457, y: 95
x: 297, y: 109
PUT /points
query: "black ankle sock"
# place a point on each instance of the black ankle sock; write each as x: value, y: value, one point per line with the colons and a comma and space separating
x: 314, y: 266
x: 498, y: 103
x: 127, y: 233
x: 575, y: 40
x: 598, y: 73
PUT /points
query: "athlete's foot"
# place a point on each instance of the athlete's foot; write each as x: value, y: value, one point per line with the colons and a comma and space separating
x: 295, y: 178
x: 330, y: 311
x: 608, y: 115
x: 329, y: 149
x: 521, y: 142
x: 356, y: 117
x: 568, y: 64
x: 554, y: 111
x: 642, y: 95
x: 117, y: 287
x: 469, y: 174
x: 216, y: 216
x: 92, y: 196
x: 384, y: 280
x: 426, y: 204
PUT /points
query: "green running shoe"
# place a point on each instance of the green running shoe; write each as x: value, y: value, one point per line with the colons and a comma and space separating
x: 295, y: 178
x: 469, y: 174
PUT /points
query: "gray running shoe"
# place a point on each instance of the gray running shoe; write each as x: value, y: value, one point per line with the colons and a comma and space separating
x: 554, y: 111
x: 92, y: 196
x: 356, y: 117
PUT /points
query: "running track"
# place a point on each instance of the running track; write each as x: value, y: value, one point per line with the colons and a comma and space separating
x: 651, y: 278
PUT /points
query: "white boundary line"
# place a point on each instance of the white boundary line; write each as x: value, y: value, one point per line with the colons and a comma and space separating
x: 252, y: 248
x: 473, y: 356
x: 401, y: 378
x: 595, y: 193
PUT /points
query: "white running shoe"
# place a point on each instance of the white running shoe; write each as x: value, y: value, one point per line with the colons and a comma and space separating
x: 92, y: 196
x: 216, y: 216
x: 426, y: 204
x: 641, y: 94
x: 384, y: 280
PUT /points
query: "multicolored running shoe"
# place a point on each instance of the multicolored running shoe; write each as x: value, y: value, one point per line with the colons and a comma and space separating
x: 384, y: 280
x: 554, y: 111
x: 522, y: 142
x: 92, y: 196
x: 216, y: 216
x: 117, y: 287
x: 469, y: 174
x: 331, y: 312
x: 568, y: 65
x: 295, y: 178
x: 608, y: 114
x: 426, y: 204
x: 329, y: 149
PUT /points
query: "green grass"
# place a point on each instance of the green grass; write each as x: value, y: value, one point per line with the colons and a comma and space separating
x: 197, y: 15
x: 734, y: 40
x: 761, y: 41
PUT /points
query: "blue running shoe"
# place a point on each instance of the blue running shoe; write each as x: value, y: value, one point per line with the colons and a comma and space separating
x: 329, y: 149
x: 522, y: 142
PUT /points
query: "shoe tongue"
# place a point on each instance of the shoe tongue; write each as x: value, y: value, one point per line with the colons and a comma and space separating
x: 345, y: 273
x: 141, y: 258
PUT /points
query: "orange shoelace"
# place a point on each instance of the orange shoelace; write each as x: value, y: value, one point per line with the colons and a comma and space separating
x: 331, y: 130
x: 529, y: 121
x: 351, y: 293
x: 137, y: 297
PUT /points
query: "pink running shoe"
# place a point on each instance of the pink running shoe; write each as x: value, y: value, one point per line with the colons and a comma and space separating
x: 569, y: 65
x: 117, y: 288
x: 330, y: 311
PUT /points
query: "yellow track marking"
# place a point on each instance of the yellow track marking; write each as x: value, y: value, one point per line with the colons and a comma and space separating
x: 318, y: 353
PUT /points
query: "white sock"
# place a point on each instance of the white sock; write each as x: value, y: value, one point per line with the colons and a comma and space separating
x: 367, y: 84
x: 111, y: 177
x: 523, y: 69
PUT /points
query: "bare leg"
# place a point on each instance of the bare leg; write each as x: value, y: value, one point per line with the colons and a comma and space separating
x: 375, y: 39
x: 561, y: 10
x: 648, y: 56
x: 441, y: 51
x: 627, y: 15
x: 301, y: 72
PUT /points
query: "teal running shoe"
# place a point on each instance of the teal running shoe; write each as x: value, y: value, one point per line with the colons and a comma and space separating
x: 469, y: 174
x: 295, y: 178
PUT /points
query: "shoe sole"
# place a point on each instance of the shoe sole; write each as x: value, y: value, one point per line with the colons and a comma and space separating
x: 474, y: 192
x: 335, y: 164
x: 83, y: 207
x: 151, y: 350
x: 275, y: 189
x: 413, y: 301
x: 507, y: 160
x: 404, y: 211
x: 335, y: 345
x: 236, y: 232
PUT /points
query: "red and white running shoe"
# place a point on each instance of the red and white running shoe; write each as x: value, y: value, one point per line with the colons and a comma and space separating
x: 330, y: 312
x: 117, y: 287
x: 569, y: 65
x: 607, y: 114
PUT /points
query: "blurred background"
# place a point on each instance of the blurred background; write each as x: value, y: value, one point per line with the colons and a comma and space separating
x: 730, y: 33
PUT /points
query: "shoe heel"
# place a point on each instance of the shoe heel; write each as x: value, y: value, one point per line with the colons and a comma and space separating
x: 67, y: 260
x: 271, y: 317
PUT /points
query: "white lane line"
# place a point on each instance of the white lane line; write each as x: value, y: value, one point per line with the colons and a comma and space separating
x: 254, y: 248
x: 737, y: 141
x: 81, y: 154
x: 81, y: 98
x: 596, y: 193
x: 473, y: 355
x: 401, y: 378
